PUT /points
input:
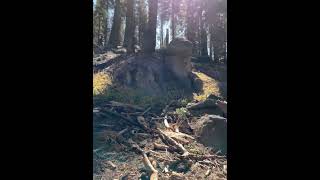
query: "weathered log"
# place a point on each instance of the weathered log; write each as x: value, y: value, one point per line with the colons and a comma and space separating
x: 177, y: 176
x: 146, y: 161
x: 111, y: 165
x: 165, y: 110
x: 141, y: 120
x: 208, y: 103
x: 162, y: 147
x: 118, y: 104
x: 129, y: 120
x: 174, y: 143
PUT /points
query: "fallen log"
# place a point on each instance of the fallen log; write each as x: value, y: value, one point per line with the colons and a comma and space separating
x: 129, y: 120
x: 176, y: 176
x: 174, y: 143
x: 162, y: 147
x: 130, y: 106
x: 111, y: 165
x: 198, y: 157
x: 146, y: 161
x: 208, y: 103
x: 147, y: 110
x: 141, y: 120
x: 165, y: 110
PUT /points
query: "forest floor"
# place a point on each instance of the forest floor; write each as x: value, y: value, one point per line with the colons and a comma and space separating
x: 137, y: 140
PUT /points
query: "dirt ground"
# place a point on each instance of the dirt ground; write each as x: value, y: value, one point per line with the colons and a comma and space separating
x: 111, y: 136
x: 124, y: 132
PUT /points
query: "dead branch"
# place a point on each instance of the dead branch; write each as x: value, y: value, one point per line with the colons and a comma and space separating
x: 156, y: 118
x: 208, y: 103
x: 174, y: 143
x: 207, y: 173
x: 147, y: 110
x: 123, y: 131
x: 154, y: 176
x: 206, y: 162
x: 118, y: 104
x: 129, y: 120
x: 197, y: 157
x: 158, y: 156
x: 104, y: 125
x: 166, y: 124
x: 141, y: 120
x: 147, y: 163
x: 179, y: 134
x: 164, y: 111
x: 160, y: 146
x: 146, y: 160
x: 177, y: 176
x: 164, y: 147
x: 133, y: 113
x: 111, y: 165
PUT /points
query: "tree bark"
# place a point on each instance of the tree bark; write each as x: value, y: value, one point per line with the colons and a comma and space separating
x: 99, y: 24
x: 167, y: 38
x: 161, y: 33
x: 130, y: 24
x: 203, y: 36
x: 191, y: 25
x: 173, y: 20
x: 106, y: 26
x: 117, y: 26
x: 150, y: 36
x: 142, y: 22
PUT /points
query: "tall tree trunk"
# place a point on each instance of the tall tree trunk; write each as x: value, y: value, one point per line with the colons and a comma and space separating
x: 99, y: 29
x: 203, y: 36
x: 117, y: 26
x: 161, y: 33
x: 150, y: 36
x: 106, y: 30
x: 211, y: 41
x: 142, y: 21
x: 167, y: 38
x: 129, y: 32
x: 197, y: 31
x: 173, y: 20
x: 191, y: 24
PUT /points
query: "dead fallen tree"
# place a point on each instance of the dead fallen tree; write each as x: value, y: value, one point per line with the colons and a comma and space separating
x: 150, y: 165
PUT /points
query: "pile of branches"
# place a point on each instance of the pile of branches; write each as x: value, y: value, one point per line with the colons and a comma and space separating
x: 163, y: 141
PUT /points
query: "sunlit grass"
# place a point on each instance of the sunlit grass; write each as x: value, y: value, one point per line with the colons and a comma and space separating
x: 101, y: 81
x: 210, y: 86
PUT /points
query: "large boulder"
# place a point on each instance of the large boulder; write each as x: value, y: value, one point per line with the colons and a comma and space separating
x: 211, y: 131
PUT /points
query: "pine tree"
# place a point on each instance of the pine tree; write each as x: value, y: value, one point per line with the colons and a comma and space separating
x: 164, y: 15
x: 191, y: 23
x: 203, y: 30
x: 130, y: 26
x: 150, y: 35
x: 99, y: 17
x: 116, y: 35
x: 143, y: 20
x: 167, y: 38
x: 173, y: 18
